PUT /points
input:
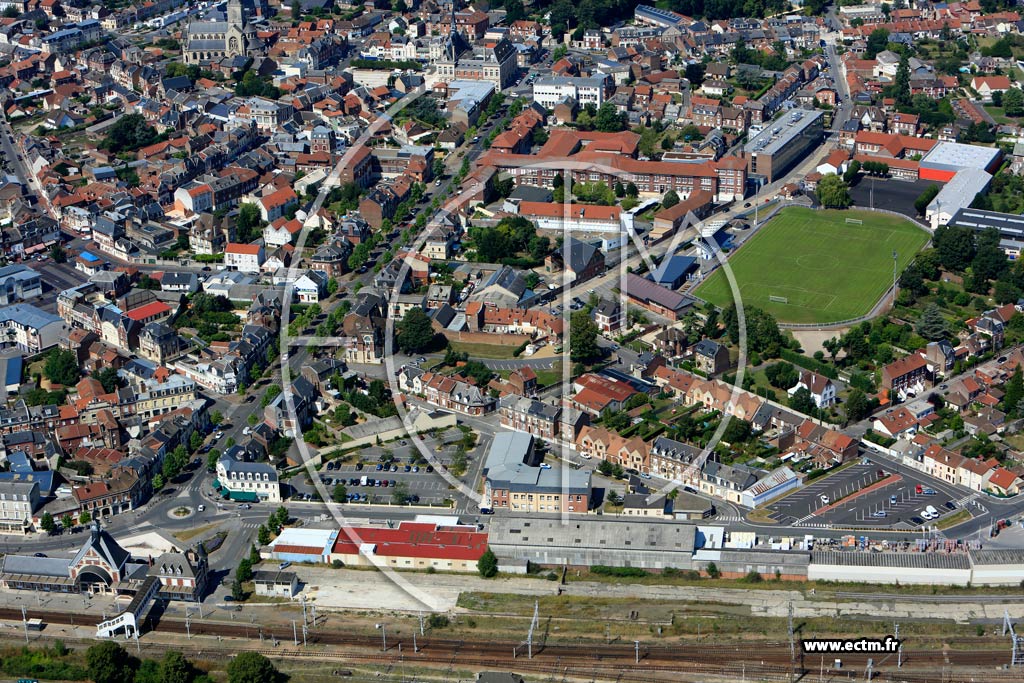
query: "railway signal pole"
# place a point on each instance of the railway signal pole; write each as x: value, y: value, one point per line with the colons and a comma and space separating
x: 792, y: 647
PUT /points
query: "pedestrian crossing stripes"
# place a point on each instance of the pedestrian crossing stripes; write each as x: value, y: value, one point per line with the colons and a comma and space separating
x: 728, y: 518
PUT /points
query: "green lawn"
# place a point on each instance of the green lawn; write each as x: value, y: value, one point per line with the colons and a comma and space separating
x: 828, y: 270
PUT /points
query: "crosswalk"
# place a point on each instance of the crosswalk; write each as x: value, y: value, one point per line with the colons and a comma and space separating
x: 804, y: 519
x: 728, y: 518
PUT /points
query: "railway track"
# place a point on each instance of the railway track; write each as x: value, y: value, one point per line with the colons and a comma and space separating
x: 769, y: 661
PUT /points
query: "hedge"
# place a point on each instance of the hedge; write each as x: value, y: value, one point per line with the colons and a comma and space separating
x: 809, y: 363
x: 617, y: 571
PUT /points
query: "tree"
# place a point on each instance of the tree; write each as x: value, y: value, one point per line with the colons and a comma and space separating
x: 782, y: 375
x: 248, y: 223
x: 211, y: 459
x: 84, y: 518
x: 925, y: 198
x: 670, y: 199
x: 128, y: 134
x: 415, y: 333
x: 877, y: 42
x: 802, y: 401
x: 932, y: 326
x: 62, y: 367
x: 989, y: 260
x: 108, y: 662
x: 851, y: 171
x: 244, y: 571
x: 609, y: 119
x: 67, y: 521
x: 487, y: 565
x: 237, y: 594
x: 619, y: 190
x: 174, y: 668
x: 955, y: 246
x: 583, y: 346
x: 833, y: 193
x: 1013, y: 393
x: 1013, y: 102
x: 339, y: 494
x: 632, y: 190
x: 252, y: 667
x: 47, y: 524
x: 712, y: 570
x: 108, y: 378
x: 58, y: 254
x: 858, y: 406
x: 263, y: 535
x: 216, y: 417
x: 400, y: 493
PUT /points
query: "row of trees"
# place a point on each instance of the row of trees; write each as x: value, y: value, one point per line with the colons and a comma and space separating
x: 108, y: 662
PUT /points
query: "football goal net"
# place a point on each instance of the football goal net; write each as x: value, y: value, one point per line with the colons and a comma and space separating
x: 855, y: 221
x: 778, y: 299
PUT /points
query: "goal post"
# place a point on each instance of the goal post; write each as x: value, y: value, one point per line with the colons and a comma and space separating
x: 855, y: 221
x: 778, y: 299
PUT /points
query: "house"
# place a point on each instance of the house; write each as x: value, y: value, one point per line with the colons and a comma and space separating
x: 527, y: 415
x: 710, y: 357
x: 311, y: 287
x: 245, y: 258
x: 608, y: 315
x: 580, y: 260
x: 18, y: 502
x: 1003, y: 482
x: 906, y: 376
x: 823, y: 391
x: 246, y: 482
x: 985, y: 86
x: 896, y: 422
x: 600, y: 395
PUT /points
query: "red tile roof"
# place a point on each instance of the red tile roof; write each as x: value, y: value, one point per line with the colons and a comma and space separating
x: 148, y: 311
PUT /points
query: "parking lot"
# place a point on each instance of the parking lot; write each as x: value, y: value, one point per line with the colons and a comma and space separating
x: 901, y: 503
x: 403, y: 466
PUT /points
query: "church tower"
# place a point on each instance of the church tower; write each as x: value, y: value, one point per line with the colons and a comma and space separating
x: 236, y: 38
x: 236, y: 15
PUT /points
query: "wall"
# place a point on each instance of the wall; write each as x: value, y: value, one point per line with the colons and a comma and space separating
x: 513, y: 340
x: 889, y: 575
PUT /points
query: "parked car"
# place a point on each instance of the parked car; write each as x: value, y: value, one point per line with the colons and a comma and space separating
x: 824, y: 499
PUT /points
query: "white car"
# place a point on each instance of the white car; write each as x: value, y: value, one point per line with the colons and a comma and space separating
x: 824, y: 500
x: 545, y: 466
x: 202, y: 508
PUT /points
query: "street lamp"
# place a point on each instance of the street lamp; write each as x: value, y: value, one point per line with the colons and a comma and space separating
x: 384, y: 637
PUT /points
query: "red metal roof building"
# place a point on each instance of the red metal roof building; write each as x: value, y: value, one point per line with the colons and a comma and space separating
x: 411, y: 545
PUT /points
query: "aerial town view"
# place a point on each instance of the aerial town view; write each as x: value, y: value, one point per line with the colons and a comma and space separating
x: 511, y: 341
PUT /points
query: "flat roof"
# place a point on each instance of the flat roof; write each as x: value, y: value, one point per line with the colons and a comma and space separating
x: 781, y: 132
x: 1009, y: 225
x: 954, y: 156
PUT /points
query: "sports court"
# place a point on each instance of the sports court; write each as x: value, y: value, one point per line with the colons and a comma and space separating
x: 818, y: 266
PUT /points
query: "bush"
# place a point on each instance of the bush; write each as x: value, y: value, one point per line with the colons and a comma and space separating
x: 337, y: 564
x: 809, y: 363
x: 630, y: 572
x: 753, y: 577
x: 551, y: 576
x: 437, y: 621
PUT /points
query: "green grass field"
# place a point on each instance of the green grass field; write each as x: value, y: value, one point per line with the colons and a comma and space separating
x: 828, y: 269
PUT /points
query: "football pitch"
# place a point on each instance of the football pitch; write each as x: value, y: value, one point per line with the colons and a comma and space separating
x: 813, y: 266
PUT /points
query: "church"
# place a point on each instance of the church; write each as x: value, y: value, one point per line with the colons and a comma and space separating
x: 210, y: 41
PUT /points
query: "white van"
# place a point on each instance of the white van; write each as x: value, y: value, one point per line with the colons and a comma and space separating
x: 362, y: 480
x: 932, y: 511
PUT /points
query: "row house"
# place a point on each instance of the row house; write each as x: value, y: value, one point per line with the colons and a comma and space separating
x: 452, y: 393
x: 528, y: 415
